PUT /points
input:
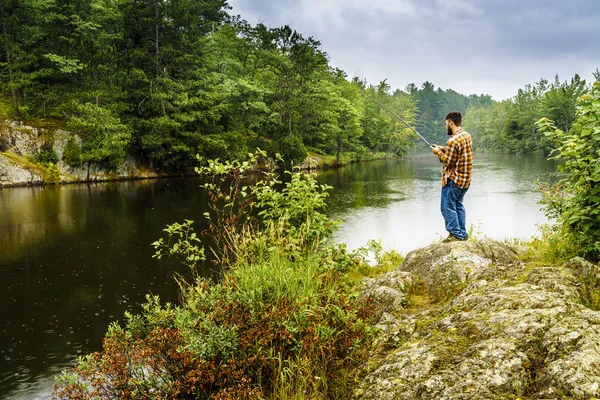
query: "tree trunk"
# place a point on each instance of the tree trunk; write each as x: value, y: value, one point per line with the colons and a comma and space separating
x: 13, y: 91
x: 281, y: 102
x: 156, y: 35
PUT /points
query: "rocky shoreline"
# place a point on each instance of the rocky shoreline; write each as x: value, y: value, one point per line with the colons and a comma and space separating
x: 468, y: 320
x: 23, y: 142
x: 20, y: 143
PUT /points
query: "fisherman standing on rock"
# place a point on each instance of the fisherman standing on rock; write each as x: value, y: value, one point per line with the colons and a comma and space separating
x: 457, y: 169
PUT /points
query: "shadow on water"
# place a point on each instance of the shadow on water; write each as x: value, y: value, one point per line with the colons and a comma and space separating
x: 74, y: 258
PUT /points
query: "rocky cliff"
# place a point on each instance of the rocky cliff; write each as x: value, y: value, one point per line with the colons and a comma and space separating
x: 469, y: 320
x: 20, y: 143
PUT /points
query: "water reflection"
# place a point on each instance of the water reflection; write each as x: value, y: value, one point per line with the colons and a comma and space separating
x: 74, y: 258
x: 397, y: 202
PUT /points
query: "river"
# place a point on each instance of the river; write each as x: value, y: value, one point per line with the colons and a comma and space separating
x: 74, y: 258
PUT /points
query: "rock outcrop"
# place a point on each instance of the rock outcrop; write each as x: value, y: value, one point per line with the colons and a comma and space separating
x: 21, y: 143
x: 496, y: 328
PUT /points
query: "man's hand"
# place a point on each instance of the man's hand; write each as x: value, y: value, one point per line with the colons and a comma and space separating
x: 435, y: 149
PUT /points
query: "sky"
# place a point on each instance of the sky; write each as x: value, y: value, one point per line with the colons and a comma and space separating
x: 490, y: 47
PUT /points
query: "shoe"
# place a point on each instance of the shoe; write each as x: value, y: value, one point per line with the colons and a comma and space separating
x: 452, y: 238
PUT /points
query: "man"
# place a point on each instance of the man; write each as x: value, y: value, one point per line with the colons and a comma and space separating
x: 457, y: 168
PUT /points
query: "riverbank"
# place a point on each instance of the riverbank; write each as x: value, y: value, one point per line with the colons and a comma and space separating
x: 33, y: 155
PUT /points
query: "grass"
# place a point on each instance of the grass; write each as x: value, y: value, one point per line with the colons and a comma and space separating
x: 50, y: 174
x: 50, y: 123
x: 26, y: 164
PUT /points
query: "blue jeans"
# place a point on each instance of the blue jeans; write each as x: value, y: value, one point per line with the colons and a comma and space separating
x: 453, y: 210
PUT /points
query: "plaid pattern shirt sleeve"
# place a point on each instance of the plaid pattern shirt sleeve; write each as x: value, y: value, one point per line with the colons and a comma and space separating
x: 457, y: 160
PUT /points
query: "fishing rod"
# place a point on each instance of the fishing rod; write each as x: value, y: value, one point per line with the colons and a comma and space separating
x: 405, y: 123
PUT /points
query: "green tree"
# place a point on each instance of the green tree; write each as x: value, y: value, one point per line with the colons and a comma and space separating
x: 575, y: 201
x: 559, y: 103
x: 106, y: 137
x: 174, y: 91
x: 339, y: 111
x: 21, y: 40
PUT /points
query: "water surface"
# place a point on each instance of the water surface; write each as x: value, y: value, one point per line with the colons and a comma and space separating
x: 74, y: 258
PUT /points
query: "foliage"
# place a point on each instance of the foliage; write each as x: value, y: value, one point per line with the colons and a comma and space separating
x: 72, y: 153
x: 52, y: 173
x: 434, y: 104
x: 575, y: 201
x: 106, y: 137
x: 292, y: 149
x: 46, y: 155
x: 178, y: 78
x: 284, y: 321
x: 181, y: 243
x: 510, y: 126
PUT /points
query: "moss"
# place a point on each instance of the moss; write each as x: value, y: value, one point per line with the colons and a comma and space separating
x: 24, y: 130
x: 25, y: 163
x: 590, y: 289
x: 50, y: 174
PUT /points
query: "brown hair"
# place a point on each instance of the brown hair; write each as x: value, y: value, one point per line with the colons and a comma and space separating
x: 456, y: 117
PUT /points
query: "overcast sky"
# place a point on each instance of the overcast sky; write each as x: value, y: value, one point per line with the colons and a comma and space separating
x: 472, y: 46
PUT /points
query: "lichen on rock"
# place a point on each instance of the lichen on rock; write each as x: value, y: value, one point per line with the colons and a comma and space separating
x: 506, y: 330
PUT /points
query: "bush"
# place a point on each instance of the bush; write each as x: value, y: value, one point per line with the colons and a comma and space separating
x: 52, y: 173
x: 46, y: 155
x: 105, y: 137
x: 72, y: 154
x: 283, y: 322
x: 291, y: 148
x: 575, y: 201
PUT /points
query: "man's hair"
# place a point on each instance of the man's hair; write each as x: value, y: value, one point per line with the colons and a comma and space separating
x: 456, y: 117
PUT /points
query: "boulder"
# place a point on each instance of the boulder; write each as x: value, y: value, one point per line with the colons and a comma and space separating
x: 444, y: 267
x: 511, y: 330
x: 390, y: 290
x: 21, y: 138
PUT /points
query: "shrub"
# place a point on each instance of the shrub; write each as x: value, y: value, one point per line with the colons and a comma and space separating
x: 575, y: 201
x: 284, y: 321
x: 292, y: 149
x: 46, y: 155
x: 52, y: 173
x: 72, y: 154
x: 105, y: 136
x: 4, y: 142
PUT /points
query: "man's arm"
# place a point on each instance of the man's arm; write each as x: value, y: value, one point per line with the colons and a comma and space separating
x: 449, y: 154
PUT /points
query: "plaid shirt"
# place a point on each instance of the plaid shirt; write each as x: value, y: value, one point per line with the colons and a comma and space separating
x: 457, y: 159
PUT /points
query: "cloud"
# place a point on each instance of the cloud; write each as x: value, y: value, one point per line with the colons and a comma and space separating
x: 472, y: 46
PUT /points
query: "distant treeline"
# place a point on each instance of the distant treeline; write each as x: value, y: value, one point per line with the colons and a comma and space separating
x: 510, y: 126
x: 166, y: 80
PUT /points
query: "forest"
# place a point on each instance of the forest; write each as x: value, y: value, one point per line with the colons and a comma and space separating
x: 165, y: 81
